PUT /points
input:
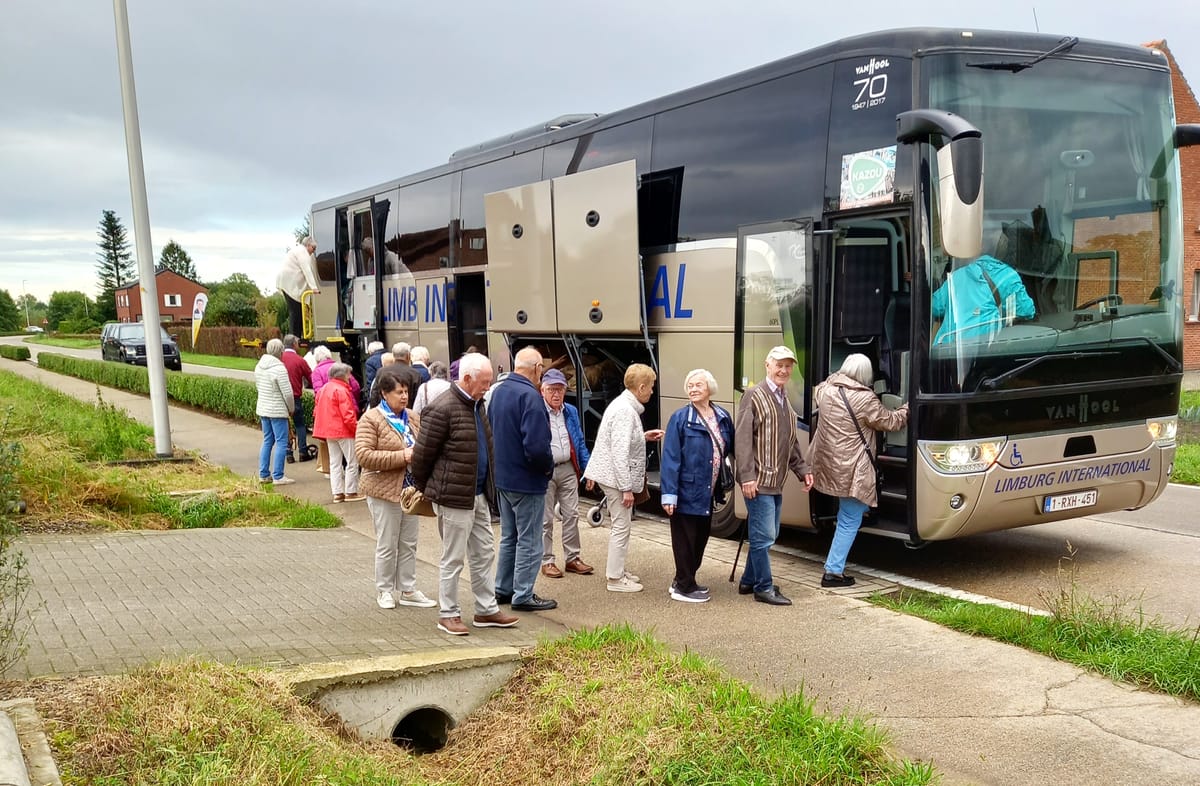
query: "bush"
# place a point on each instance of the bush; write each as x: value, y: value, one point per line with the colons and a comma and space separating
x: 231, y: 398
x: 14, y: 578
x: 224, y: 341
x: 14, y: 353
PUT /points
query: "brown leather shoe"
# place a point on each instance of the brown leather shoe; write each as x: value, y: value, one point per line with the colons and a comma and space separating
x: 580, y: 567
x: 453, y: 625
x: 497, y: 620
x: 551, y: 571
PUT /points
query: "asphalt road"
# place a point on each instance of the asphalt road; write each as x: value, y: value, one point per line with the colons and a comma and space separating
x: 94, y: 354
x: 1143, y: 559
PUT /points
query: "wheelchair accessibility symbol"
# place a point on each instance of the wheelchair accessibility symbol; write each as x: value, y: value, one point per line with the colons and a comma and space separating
x: 1016, y: 460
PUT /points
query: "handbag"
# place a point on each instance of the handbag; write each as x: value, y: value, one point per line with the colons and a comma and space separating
x: 641, y: 496
x: 412, y: 501
x: 725, y: 480
x: 866, y: 446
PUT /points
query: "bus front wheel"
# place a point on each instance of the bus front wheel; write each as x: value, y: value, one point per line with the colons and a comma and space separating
x: 725, y: 522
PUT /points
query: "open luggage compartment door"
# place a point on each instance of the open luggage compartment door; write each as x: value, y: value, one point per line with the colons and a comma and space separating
x: 520, y: 269
x: 596, y: 250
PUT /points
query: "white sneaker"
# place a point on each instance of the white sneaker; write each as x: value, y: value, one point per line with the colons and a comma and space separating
x: 416, y: 598
x: 284, y: 481
x: 624, y: 584
x: 386, y: 600
x: 632, y: 577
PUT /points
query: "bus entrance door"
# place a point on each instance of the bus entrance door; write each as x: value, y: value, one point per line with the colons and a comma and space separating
x: 868, y: 295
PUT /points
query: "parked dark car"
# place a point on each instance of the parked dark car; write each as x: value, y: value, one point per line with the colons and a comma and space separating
x: 126, y: 342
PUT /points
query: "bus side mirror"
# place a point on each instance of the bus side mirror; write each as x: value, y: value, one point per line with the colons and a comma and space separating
x: 960, y: 175
x: 1187, y: 135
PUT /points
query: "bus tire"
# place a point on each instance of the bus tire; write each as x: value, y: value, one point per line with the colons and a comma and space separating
x: 725, y: 523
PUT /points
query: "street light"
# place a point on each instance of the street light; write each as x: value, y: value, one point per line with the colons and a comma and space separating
x: 25, y: 296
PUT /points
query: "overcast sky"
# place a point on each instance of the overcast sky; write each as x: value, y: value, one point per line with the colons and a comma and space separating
x: 252, y: 111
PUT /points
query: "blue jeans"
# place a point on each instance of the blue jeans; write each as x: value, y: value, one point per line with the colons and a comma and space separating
x: 520, y: 554
x: 301, y: 427
x: 762, y: 528
x: 849, y: 519
x: 275, y: 435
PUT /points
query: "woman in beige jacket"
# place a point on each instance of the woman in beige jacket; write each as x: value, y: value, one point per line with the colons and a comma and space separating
x: 383, y: 446
x: 842, y: 453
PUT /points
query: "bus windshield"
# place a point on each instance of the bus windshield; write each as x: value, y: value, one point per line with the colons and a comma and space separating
x: 1078, y: 280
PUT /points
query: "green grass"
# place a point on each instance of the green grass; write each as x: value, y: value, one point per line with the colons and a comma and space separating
x: 64, y: 479
x: 1189, y: 399
x: 220, y: 361
x: 604, y: 706
x: 1097, y: 636
x: 69, y: 343
x: 1187, y: 464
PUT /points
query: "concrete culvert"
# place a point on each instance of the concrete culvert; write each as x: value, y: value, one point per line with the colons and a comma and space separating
x: 424, y: 730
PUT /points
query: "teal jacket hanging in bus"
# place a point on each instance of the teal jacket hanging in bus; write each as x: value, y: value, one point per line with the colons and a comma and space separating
x: 970, y: 306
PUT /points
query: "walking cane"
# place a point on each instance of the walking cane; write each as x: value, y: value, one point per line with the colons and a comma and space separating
x: 741, y: 539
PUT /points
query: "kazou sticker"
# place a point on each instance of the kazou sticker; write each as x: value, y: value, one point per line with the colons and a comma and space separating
x: 868, y: 178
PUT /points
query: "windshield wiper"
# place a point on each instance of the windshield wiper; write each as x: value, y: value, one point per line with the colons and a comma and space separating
x: 991, y: 383
x: 1065, y: 45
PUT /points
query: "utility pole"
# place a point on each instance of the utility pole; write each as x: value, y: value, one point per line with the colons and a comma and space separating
x: 25, y: 297
x: 141, y: 232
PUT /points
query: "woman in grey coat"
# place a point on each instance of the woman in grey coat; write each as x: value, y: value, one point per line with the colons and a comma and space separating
x: 274, y: 408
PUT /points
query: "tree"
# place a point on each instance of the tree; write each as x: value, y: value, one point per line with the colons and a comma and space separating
x: 233, y: 302
x: 11, y: 317
x: 71, y: 312
x: 302, y: 231
x: 115, y: 268
x: 37, y: 309
x: 175, y: 258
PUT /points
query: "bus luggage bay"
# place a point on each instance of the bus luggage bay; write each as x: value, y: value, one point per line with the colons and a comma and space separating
x: 835, y: 202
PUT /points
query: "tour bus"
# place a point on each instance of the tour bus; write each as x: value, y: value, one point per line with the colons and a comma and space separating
x: 826, y: 202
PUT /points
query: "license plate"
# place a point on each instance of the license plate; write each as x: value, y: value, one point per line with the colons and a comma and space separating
x: 1079, y: 499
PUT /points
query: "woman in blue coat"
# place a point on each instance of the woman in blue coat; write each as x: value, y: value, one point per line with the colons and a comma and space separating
x: 698, y: 439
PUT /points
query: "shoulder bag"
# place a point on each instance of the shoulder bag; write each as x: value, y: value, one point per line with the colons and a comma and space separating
x: 865, y: 444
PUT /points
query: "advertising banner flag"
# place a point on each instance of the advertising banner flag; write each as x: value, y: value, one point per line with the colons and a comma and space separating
x: 198, y: 306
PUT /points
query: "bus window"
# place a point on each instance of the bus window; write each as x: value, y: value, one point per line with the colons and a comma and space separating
x: 484, y: 179
x: 362, y: 249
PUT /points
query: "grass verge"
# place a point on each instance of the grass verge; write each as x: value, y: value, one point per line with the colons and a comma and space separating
x: 1099, y: 636
x: 220, y: 361
x: 68, y: 343
x: 604, y: 706
x: 67, y: 485
x: 1187, y: 464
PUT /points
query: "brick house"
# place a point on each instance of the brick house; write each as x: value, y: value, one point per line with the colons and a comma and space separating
x: 1187, y: 110
x: 176, y: 295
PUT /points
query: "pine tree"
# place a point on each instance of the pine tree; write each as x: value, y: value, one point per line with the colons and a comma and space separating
x: 302, y: 231
x: 10, y: 318
x: 174, y: 258
x: 115, y: 268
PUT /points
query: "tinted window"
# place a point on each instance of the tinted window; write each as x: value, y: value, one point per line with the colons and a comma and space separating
x: 418, y: 236
x: 868, y: 93
x: 627, y: 142
x: 749, y: 156
x: 484, y: 179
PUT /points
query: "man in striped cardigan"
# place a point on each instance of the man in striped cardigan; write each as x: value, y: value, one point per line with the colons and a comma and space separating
x: 766, y: 448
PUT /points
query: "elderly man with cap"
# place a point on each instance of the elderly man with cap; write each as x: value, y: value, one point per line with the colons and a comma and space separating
x: 766, y: 448
x: 570, y: 459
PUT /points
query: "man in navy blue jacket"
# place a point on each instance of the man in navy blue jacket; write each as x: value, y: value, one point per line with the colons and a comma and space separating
x: 524, y: 464
x: 570, y: 460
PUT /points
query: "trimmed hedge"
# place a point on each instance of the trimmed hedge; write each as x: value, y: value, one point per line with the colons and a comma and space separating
x: 13, y: 352
x: 231, y: 398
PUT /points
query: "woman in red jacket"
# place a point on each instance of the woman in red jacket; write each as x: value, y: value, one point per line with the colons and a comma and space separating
x: 335, y: 419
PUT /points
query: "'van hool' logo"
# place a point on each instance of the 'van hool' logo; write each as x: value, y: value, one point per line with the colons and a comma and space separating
x: 870, y: 68
x: 1085, y: 408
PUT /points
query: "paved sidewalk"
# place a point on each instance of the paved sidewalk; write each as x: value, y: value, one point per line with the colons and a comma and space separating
x: 981, y: 711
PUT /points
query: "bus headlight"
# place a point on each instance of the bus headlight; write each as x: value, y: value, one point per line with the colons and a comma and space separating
x: 1163, y: 430
x: 960, y: 458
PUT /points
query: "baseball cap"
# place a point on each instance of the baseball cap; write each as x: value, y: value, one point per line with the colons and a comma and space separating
x: 781, y: 353
x: 554, y: 377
